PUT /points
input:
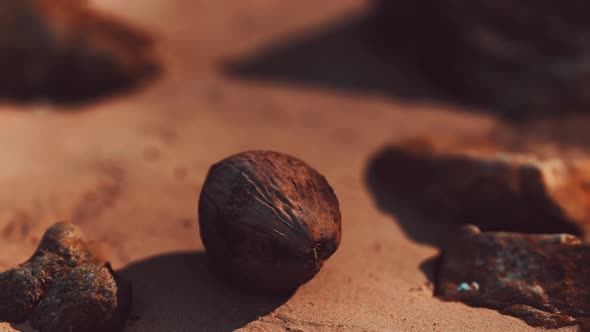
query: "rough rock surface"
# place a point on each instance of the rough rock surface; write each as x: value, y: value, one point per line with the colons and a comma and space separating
x: 542, y: 279
x: 64, y: 286
x: 90, y: 298
x: 62, y: 248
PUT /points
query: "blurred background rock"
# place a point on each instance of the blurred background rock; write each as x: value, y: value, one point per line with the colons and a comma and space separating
x: 517, y: 56
x: 63, y: 50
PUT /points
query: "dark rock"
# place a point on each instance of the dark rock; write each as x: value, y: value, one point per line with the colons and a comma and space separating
x: 65, y: 51
x: 90, y: 298
x: 522, y: 55
x: 542, y: 279
x: 65, y: 286
x: 458, y: 183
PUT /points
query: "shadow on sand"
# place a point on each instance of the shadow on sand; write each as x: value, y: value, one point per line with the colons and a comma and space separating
x: 176, y: 292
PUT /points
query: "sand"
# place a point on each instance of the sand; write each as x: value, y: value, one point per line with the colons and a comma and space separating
x: 129, y: 170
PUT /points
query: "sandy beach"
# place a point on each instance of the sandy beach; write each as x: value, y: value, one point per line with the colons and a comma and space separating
x: 129, y: 168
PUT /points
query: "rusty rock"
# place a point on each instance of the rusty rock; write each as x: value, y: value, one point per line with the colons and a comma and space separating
x: 476, y: 183
x: 541, y: 279
x: 66, y: 51
x: 62, y: 248
x: 512, y: 55
x: 61, y: 259
x: 90, y: 298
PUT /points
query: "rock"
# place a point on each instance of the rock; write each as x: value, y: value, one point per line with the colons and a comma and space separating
x: 525, y: 55
x: 541, y: 279
x: 65, y: 286
x: 91, y: 298
x: 468, y: 182
x: 65, y: 51
x: 62, y: 248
